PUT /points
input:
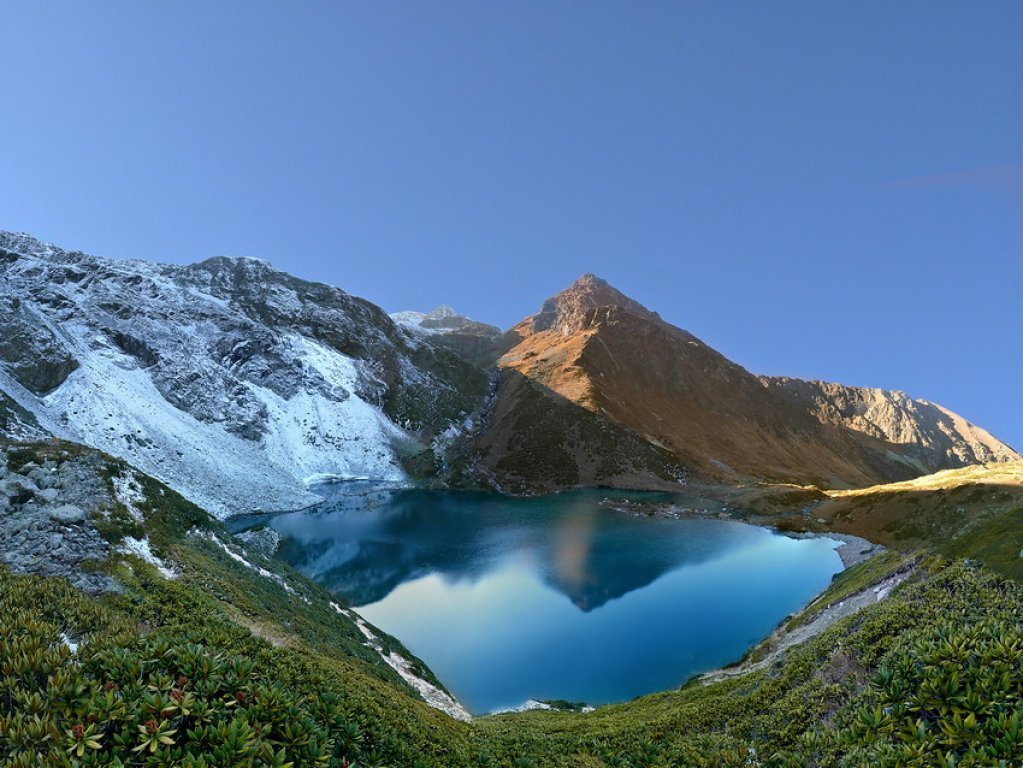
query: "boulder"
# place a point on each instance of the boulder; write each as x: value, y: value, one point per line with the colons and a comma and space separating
x: 48, y: 495
x: 68, y: 513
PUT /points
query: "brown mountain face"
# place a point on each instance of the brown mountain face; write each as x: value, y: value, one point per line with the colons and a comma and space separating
x: 932, y: 437
x: 594, y: 359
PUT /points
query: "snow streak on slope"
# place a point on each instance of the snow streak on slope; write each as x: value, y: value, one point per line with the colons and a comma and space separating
x: 355, y: 438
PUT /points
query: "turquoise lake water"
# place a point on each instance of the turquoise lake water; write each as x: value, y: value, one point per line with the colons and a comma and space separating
x: 556, y: 597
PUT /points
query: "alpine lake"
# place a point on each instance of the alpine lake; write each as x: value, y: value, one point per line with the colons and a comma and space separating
x: 562, y: 597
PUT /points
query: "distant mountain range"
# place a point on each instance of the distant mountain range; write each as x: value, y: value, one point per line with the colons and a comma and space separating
x: 237, y: 384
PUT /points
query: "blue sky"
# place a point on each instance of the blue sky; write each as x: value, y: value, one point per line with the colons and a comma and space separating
x: 816, y: 189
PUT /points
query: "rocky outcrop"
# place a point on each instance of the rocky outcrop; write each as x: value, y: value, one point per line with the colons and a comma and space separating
x: 29, y: 348
x: 46, y: 518
x: 265, y: 541
x: 572, y: 310
x: 932, y: 437
x: 477, y: 342
x: 229, y: 380
x: 16, y: 423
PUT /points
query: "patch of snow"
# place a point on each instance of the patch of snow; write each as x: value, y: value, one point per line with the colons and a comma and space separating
x: 413, y: 321
x: 527, y: 706
x: 409, y: 316
x: 120, y: 411
x: 140, y: 548
x: 210, y: 536
x: 323, y: 478
x: 430, y: 693
x: 128, y: 491
x: 312, y: 436
x: 71, y: 644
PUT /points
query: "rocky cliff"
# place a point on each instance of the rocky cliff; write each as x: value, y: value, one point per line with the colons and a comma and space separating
x: 933, y: 437
x: 231, y: 381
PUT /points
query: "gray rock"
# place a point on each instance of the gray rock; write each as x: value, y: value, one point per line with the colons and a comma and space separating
x: 19, y: 489
x: 40, y: 477
x: 40, y: 537
x: 68, y: 513
x: 263, y: 540
x: 48, y: 495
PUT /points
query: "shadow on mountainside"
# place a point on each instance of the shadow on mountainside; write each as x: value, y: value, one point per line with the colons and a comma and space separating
x: 537, y: 440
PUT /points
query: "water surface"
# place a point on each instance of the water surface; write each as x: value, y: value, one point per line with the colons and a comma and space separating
x: 557, y: 597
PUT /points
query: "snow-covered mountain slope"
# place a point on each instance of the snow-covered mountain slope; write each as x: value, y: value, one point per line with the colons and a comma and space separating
x: 443, y: 320
x: 230, y: 381
x: 479, y: 342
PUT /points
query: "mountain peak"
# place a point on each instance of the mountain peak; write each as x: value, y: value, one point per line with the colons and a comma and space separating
x: 566, y: 312
x: 442, y: 312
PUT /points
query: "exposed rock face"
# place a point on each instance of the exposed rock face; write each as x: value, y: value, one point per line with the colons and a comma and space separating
x: 30, y: 350
x: 228, y: 380
x: 478, y: 342
x: 45, y: 525
x: 619, y: 363
x: 926, y: 433
x: 265, y: 541
x: 16, y: 423
x: 571, y: 310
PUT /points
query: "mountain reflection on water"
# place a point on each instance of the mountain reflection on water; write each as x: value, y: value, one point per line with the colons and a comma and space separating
x: 365, y: 541
x: 555, y: 597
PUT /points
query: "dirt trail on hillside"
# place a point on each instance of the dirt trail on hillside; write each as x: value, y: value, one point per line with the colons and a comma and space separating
x: 781, y: 640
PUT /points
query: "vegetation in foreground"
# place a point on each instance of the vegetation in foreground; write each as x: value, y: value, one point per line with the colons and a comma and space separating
x: 224, y: 667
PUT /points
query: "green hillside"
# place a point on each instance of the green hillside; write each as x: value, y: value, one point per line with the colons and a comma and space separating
x: 244, y: 662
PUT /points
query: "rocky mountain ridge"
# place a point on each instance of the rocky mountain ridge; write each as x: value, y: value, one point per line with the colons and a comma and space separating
x: 231, y: 381
x: 480, y: 343
x: 238, y: 384
x: 928, y: 434
x: 592, y: 353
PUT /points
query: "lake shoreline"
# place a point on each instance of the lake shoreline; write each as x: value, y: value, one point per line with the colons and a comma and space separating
x: 852, y: 550
x: 557, y: 573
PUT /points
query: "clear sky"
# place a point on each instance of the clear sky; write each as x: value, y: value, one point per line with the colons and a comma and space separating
x: 827, y: 190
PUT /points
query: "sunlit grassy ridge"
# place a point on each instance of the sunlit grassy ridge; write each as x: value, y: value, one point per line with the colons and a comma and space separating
x: 1003, y: 473
x: 975, y: 512
x: 225, y: 667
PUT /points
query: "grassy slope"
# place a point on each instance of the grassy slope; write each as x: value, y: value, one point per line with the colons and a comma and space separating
x: 302, y: 663
x: 297, y: 639
x: 976, y: 512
